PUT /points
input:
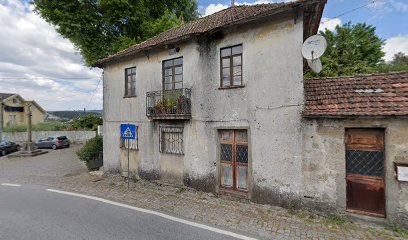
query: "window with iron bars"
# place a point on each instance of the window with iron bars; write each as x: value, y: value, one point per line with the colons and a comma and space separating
x: 171, y: 140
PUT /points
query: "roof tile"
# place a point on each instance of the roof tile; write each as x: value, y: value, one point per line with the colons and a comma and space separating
x: 384, y: 94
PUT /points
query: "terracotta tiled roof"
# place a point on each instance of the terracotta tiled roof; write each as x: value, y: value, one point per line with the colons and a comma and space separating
x: 384, y: 94
x: 226, y: 18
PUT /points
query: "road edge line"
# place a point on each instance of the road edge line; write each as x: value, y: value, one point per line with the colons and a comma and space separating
x: 175, y: 219
x: 11, y: 185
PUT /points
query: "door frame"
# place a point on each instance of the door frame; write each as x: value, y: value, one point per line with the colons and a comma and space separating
x: 219, y: 189
x: 362, y: 212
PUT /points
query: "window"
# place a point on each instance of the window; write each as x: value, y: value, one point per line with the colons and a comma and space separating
x: 173, y: 74
x: 171, y: 140
x: 231, y: 66
x: 130, y: 82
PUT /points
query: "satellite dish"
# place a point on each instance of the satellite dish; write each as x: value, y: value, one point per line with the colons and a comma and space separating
x: 314, y: 47
x: 315, y: 65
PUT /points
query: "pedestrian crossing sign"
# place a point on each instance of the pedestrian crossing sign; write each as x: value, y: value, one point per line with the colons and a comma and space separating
x: 128, y: 131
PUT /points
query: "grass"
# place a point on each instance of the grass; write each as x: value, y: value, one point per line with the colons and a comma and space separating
x: 181, y: 190
x: 335, y: 220
x: 403, y: 232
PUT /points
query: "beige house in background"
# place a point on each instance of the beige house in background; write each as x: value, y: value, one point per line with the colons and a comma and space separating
x: 14, y: 110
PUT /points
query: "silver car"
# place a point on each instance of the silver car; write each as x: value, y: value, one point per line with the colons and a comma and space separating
x: 53, y: 142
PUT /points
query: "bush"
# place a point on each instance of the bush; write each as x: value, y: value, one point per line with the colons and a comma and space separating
x: 91, y: 153
x: 89, y: 122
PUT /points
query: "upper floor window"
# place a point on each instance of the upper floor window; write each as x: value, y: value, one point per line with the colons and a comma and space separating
x: 173, y: 74
x: 231, y: 66
x: 130, y: 82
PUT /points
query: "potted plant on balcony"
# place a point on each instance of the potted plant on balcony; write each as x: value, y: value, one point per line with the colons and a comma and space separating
x: 159, y: 107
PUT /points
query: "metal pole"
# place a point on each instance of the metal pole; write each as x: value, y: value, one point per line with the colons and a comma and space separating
x: 128, y: 164
x: 30, y: 127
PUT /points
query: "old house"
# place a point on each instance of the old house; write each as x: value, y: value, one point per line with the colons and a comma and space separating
x: 14, y: 110
x: 355, y: 136
x: 219, y: 107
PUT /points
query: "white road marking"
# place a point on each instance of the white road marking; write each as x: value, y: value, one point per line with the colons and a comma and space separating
x: 175, y: 219
x: 11, y: 185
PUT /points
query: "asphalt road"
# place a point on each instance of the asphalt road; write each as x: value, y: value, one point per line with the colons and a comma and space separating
x: 31, y: 212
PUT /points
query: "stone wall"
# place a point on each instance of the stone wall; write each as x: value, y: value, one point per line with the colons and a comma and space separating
x: 74, y: 136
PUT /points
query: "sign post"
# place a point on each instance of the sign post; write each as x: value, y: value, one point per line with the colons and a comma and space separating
x: 127, y: 133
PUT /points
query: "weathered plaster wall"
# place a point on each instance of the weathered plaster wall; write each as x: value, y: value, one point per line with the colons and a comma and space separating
x: 324, y: 163
x: 268, y: 106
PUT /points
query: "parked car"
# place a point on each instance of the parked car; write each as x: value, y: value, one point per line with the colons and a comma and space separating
x: 8, y: 147
x: 53, y: 142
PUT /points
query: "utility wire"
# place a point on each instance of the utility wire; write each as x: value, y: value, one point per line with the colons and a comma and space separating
x: 96, y: 89
x: 31, y: 78
x: 349, y: 11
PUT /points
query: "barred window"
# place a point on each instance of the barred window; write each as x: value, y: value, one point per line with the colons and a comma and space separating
x: 133, y: 144
x: 171, y: 140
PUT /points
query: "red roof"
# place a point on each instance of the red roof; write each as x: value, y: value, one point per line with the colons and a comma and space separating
x: 384, y: 94
x: 232, y: 16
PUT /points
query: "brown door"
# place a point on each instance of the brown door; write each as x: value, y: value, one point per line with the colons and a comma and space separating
x: 234, y: 161
x: 365, y: 171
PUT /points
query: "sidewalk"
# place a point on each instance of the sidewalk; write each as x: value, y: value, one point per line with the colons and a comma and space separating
x: 261, y: 221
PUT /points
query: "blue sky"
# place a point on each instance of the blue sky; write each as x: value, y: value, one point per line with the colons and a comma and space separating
x: 39, y: 64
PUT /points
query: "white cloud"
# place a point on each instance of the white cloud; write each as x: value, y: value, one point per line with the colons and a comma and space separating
x: 381, y: 8
x: 329, y: 24
x: 39, y: 64
x: 394, y: 45
x: 213, y: 8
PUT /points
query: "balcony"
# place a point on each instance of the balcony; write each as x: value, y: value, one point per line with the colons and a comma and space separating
x: 169, y: 104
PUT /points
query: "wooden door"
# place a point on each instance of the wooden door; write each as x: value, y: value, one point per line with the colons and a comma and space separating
x: 365, y: 171
x: 234, y: 161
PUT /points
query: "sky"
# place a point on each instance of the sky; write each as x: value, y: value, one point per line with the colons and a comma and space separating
x: 37, y: 63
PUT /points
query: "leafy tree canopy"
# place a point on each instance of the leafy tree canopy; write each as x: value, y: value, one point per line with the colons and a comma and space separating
x: 400, y: 59
x: 351, y: 49
x: 99, y: 28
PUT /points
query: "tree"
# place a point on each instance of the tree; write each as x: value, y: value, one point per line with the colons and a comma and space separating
x: 89, y: 122
x: 99, y: 28
x: 351, y: 49
x: 400, y: 59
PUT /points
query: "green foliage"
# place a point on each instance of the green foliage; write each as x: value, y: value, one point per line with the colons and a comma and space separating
x: 167, y: 21
x: 89, y: 122
x: 400, y: 59
x: 402, y: 231
x: 45, y: 126
x: 335, y: 220
x: 92, y: 150
x: 102, y: 27
x: 351, y: 49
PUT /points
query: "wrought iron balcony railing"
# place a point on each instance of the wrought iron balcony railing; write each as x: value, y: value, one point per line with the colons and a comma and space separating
x: 169, y: 104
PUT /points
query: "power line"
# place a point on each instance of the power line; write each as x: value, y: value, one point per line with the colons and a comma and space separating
x: 347, y: 12
x: 96, y: 89
x: 33, y: 78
